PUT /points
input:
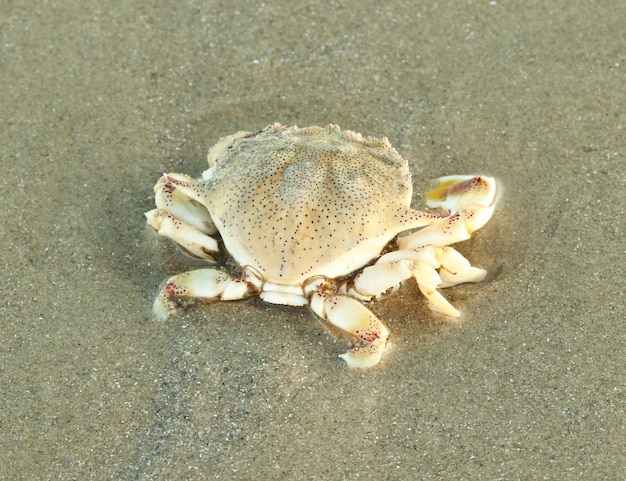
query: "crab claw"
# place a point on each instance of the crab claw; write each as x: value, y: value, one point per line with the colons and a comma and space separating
x: 474, y: 195
x: 181, y: 216
x: 192, y: 240
x: 470, y: 199
x: 177, y: 194
x: 207, y: 284
x: 354, y: 318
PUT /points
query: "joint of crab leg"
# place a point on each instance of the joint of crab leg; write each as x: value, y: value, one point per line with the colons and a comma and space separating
x: 428, y: 280
x: 422, y: 265
x: 354, y: 318
x: 476, y: 216
x: 456, y: 269
x: 188, y: 237
x: 471, y: 199
x: 377, y: 279
x: 395, y: 267
x: 450, y: 230
x: 207, y: 284
x: 471, y: 274
x: 186, y: 185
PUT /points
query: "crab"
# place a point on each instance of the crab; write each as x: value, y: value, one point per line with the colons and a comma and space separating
x: 317, y: 216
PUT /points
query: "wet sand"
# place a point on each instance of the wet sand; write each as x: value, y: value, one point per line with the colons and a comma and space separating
x: 98, y: 101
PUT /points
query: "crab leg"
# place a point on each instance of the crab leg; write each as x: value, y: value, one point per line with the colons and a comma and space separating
x: 188, y: 237
x: 432, y: 267
x: 207, y: 284
x: 354, y: 318
x: 456, y: 269
x: 471, y: 199
x: 183, y: 219
x: 175, y: 194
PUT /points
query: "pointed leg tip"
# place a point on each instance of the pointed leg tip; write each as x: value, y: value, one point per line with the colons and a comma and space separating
x: 154, y: 218
x: 447, y: 310
x: 354, y: 318
x: 358, y: 362
x: 162, y: 308
x: 364, y: 357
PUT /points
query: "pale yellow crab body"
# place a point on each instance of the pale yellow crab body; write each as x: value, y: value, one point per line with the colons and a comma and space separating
x: 309, y: 202
x: 301, y: 211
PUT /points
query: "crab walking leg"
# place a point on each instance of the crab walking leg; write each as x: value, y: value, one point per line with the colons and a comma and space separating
x: 354, y: 318
x: 181, y: 218
x: 205, y: 284
x: 169, y: 198
x: 471, y: 199
x: 376, y: 279
x: 186, y: 186
x: 432, y: 267
x: 456, y: 269
x: 187, y: 236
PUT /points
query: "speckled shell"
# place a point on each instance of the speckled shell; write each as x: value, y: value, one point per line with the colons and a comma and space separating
x: 296, y: 203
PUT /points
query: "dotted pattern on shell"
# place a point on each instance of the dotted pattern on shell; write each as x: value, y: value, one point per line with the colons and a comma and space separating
x: 297, y: 199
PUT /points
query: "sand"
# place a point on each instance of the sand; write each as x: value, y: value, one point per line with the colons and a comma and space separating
x: 97, y: 100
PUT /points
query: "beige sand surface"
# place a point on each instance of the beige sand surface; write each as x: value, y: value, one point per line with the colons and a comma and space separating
x: 97, y: 99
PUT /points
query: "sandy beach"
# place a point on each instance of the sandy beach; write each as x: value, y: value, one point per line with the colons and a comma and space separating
x: 98, y: 100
